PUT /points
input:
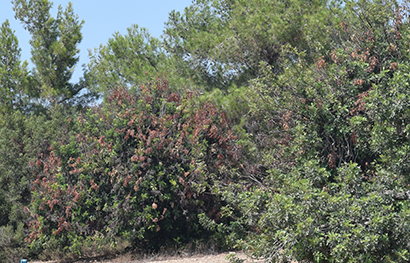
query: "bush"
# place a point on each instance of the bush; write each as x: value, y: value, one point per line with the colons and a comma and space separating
x: 334, y: 184
x: 142, y: 167
x: 12, y: 245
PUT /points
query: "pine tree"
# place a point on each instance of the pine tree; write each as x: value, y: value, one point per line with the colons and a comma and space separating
x: 14, y: 76
x: 54, y: 48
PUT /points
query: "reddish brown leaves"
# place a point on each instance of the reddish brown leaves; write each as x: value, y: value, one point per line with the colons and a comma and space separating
x: 94, y: 186
x: 165, y: 142
x: 320, y: 63
x: 127, y: 179
x: 394, y: 66
x: 373, y: 62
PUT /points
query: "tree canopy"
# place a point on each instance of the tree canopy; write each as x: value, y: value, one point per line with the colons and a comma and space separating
x: 277, y: 127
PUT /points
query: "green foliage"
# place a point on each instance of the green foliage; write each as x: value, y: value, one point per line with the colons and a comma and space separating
x: 142, y: 167
x: 12, y: 245
x: 14, y: 78
x: 317, y: 92
x: 31, y: 111
x: 127, y: 60
x: 349, y: 220
x: 387, y: 109
x: 232, y: 258
x: 334, y: 186
x: 22, y: 140
x: 222, y: 42
x: 54, y: 50
x: 132, y: 60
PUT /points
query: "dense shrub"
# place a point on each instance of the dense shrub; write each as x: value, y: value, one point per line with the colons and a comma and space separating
x: 343, y: 197
x: 142, y: 167
x: 22, y: 139
x: 316, y: 90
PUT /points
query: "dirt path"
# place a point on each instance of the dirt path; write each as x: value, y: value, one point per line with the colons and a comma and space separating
x: 215, y: 258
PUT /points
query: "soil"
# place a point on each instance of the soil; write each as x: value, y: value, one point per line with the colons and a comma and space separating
x: 199, y: 258
x: 212, y: 258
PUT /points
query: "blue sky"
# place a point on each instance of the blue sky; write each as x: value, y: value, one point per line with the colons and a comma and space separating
x: 102, y: 19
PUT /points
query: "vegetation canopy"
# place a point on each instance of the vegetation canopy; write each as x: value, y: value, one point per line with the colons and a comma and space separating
x: 277, y: 127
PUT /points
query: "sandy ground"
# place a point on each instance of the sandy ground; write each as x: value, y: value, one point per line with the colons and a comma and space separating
x: 212, y: 258
x: 217, y: 258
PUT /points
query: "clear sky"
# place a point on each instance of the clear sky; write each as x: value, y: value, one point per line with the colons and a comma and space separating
x: 102, y: 19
